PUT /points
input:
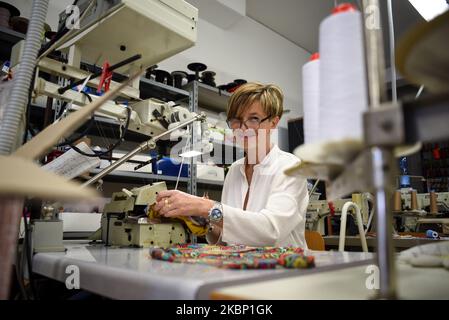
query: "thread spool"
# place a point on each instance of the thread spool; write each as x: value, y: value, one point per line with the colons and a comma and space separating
x: 240, y: 81
x: 5, y: 15
x: 150, y: 72
x: 397, y: 202
x: 311, y: 92
x: 414, y: 200
x: 343, y: 89
x: 208, y: 77
x: 163, y: 76
x: 191, y: 77
x: 178, y: 77
x: 432, y: 234
x: 433, y: 203
x: 232, y: 86
x: 7, y: 11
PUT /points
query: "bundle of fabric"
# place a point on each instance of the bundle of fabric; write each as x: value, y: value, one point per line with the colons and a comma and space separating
x: 236, y: 257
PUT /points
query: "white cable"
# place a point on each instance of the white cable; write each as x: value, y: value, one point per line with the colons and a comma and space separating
x: 344, y: 214
x: 179, y: 173
x: 182, y: 163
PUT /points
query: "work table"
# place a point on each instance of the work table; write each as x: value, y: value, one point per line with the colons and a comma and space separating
x: 130, y: 273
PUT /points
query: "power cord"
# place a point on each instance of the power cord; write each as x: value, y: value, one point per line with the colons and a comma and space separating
x: 114, y: 146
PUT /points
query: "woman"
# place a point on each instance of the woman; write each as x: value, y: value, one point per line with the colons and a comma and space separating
x: 260, y: 205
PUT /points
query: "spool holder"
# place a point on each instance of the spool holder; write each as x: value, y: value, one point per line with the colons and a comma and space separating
x: 197, y: 67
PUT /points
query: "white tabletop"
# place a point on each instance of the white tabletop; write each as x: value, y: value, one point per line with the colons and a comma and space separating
x: 344, y: 284
x: 128, y: 273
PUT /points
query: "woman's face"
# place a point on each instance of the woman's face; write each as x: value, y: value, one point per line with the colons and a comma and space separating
x: 254, y: 128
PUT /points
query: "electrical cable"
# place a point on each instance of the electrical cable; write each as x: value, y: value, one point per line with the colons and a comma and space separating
x: 114, y: 146
x: 85, y: 132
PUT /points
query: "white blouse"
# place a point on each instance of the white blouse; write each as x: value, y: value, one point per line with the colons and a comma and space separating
x: 276, y: 210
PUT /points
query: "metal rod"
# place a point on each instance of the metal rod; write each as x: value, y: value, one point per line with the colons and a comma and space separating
x: 384, y: 170
x: 97, y: 74
x: 150, y: 144
x: 394, y: 90
x: 374, y: 52
x: 314, y: 187
x: 382, y: 158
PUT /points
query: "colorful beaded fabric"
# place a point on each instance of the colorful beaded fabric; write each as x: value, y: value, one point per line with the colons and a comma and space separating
x: 236, y: 257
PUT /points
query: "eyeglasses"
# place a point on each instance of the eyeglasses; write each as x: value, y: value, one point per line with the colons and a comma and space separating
x: 251, y: 123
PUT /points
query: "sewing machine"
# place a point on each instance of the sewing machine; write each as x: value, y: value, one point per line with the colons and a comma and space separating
x: 150, y: 31
x: 423, y: 201
x: 126, y: 222
x: 317, y: 210
x: 422, y: 211
x: 130, y: 35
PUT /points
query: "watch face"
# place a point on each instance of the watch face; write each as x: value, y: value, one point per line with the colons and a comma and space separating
x: 216, y: 214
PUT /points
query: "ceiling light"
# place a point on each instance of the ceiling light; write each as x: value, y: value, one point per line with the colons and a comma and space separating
x: 430, y: 9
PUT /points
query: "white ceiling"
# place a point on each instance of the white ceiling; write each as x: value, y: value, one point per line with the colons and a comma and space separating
x: 299, y: 20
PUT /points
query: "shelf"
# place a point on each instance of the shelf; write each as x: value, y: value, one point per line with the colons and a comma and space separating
x: 153, y: 89
x: 148, y: 88
x: 209, y: 97
x: 139, y: 176
x: 121, y: 176
x: 210, y: 182
x: 8, y: 39
x: 10, y: 35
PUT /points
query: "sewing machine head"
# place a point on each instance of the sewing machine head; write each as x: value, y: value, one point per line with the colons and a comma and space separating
x: 125, y: 220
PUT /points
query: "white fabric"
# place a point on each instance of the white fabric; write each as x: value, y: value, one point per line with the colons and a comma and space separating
x: 276, y: 208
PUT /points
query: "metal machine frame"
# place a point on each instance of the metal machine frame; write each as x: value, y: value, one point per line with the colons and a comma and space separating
x: 386, y: 125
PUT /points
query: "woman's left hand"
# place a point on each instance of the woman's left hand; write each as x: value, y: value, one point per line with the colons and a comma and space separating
x: 173, y: 203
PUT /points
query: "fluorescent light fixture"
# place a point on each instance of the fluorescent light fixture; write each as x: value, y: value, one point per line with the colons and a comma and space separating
x: 429, y: 9
x: 191, y: 154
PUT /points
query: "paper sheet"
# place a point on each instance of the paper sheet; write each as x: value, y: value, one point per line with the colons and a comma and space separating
x: 72, y: 164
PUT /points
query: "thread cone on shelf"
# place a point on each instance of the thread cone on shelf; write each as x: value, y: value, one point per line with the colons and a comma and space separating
x: 178, y: 77
x: 164, y: 77
x: 397, y: 202
x: 414, y: 200
x: 433, y: 203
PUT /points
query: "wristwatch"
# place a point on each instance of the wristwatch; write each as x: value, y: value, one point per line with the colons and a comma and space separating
x: 216, y: 213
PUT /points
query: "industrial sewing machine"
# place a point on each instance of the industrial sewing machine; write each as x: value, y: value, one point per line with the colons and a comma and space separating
x: 422, y: 211
x: 123, y: 36
x: 127, y: 220
x: 318, y: 210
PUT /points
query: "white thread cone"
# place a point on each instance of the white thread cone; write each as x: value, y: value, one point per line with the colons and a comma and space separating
x: 311, y: 91
x: 343, y: 93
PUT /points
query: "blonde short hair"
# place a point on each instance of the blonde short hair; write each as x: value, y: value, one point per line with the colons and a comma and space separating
x: 270, y: 97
